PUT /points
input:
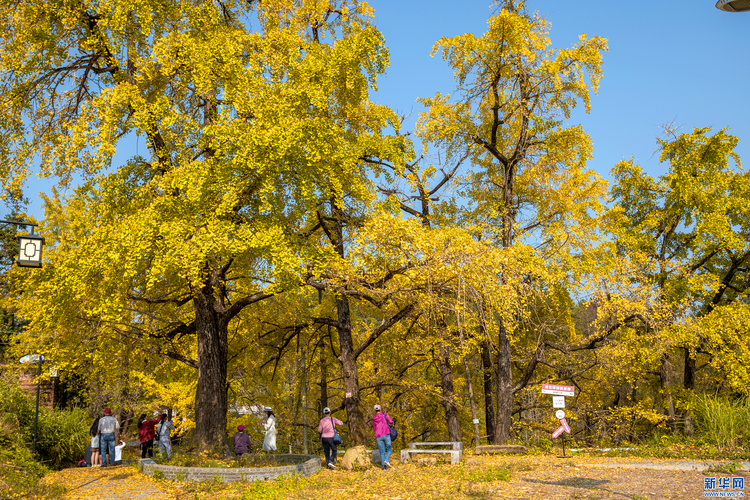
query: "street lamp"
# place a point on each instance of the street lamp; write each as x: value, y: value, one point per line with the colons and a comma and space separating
x: 35, y: 358
x: 733, y: 5
x: 29, y: 246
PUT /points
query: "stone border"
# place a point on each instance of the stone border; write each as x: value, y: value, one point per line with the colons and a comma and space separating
x: 308, y: 467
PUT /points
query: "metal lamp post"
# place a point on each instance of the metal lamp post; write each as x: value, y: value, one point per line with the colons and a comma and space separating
x: 29, y: 246
x: 35, y: 358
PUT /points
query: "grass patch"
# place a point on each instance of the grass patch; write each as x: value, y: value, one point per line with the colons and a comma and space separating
x: 489, y: 475
x: 671, y: 446
x: 723, y: 423
x: 729, y: 468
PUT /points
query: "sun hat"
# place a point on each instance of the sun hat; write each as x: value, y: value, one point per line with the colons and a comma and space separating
x: 107, y: 411
x: 326, y: 410
x: 267, y: 408
x: 377, y: 407
x: 240, y: 427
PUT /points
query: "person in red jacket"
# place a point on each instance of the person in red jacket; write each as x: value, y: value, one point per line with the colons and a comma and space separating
x: 146, y: 434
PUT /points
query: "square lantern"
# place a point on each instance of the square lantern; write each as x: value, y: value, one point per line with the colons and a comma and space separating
x: 30, y: 250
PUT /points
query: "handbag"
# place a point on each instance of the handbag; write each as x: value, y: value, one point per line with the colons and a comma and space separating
x: 157, y: 437
x: 336, y: 435
x: 394, y: 432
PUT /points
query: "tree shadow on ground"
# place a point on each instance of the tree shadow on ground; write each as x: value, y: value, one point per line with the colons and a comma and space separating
x: 580, y: 482
x: 572, y: 482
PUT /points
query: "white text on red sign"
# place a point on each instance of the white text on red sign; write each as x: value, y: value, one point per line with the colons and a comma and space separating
x: 558, y: 390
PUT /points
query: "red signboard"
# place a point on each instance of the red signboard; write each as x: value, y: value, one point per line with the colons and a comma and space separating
x: 559, y: 431
x: 559, y: 390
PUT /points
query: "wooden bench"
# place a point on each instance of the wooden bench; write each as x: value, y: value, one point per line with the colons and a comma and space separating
x: 455, y: 445
x: 455, y: 451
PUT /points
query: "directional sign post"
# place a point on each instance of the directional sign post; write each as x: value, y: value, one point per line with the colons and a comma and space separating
x: 564, y: 424
x: 558, y: 393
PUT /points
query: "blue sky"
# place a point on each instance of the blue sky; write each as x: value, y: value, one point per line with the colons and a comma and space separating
x: 684, y: 62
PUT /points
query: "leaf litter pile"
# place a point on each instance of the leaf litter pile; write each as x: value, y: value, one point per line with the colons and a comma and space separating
x: 524, y: 477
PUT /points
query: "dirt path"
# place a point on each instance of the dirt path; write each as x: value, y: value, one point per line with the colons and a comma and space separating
x: 699, y: 465
x: 610, y: 479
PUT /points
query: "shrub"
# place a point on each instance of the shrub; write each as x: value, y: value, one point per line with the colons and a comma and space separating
x: 722, y: 422
x: 20, y: 473
x: 20, y: 476
x: 16, y: 413
x: 62, y: 435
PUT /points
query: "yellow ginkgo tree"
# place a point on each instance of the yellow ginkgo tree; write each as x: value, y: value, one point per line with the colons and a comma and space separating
x: 689, y: 233
x: 251, y: 113
x: 528, y: 186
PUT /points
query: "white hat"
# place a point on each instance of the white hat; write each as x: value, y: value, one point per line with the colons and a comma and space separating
x: 377, y: 407
x: 267, y: 408
x: 326, y: 410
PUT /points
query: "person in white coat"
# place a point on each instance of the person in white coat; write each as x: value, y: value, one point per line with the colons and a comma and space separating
x: 269, y: 443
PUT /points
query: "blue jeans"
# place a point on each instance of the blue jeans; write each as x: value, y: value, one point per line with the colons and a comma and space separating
x: 107, y: 445
x: 384, y: 445
x: 165, y: 443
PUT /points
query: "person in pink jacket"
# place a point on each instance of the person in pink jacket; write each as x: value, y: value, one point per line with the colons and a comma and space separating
x: 383, y: 435
x: 326, y: 428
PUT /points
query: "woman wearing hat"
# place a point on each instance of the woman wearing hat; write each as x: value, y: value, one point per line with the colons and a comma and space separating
x: 269, y: 443
x: 241, y: 441
x: 327, y: 429
x: 383, y: 435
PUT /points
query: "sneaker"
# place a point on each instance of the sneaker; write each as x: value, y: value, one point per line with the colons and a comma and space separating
x: 331, y: 466
x: 388, y: 465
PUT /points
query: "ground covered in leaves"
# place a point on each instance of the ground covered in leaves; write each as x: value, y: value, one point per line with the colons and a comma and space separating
x: 522, y: 477
x: 111, y: 483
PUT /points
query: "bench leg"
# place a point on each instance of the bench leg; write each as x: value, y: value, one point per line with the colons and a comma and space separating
x: 455, y: 457
x: 404, y: 457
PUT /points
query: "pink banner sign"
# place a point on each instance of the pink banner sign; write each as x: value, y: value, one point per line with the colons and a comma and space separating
x: 565, y: 426
x: 559, y: 431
